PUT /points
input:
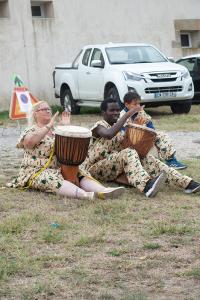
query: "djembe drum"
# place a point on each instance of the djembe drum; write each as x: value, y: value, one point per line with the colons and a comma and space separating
x: 71, y: 147
x: 140, y: 138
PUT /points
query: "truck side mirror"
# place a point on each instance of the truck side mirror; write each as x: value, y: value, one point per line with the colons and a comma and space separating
x: 97, y: 63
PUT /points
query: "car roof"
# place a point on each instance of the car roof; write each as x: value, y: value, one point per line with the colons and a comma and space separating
x: 190, y: 56
x: 116, y: 45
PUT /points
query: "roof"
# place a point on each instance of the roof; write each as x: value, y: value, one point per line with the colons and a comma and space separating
x: 190, y: 56
x: 116, y: 45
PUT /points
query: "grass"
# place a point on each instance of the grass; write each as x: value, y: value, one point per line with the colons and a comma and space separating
x: 162, y: 116
x: 130, y: 248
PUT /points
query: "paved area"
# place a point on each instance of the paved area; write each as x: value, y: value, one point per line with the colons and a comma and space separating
x: 184, y: 143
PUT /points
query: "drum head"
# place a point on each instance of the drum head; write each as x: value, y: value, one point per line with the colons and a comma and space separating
x: 73, y: 131
x: 141, y: 127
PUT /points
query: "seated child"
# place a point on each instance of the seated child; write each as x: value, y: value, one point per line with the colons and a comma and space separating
x: 163, y: 143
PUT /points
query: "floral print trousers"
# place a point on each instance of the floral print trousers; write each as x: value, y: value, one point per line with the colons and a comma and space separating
x: 164, y: 145
x: 138, y: 171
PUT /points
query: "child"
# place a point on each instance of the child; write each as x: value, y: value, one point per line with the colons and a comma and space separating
x: 163, y: 143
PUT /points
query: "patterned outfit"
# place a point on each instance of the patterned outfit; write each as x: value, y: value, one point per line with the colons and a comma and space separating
x: 162, y: 142
x: 107, y: 160
x: 50, y: 180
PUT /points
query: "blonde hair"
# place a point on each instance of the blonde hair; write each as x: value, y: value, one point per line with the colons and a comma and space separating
x: 30, y: 117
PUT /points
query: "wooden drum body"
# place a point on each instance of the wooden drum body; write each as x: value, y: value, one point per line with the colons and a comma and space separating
x: 140, y: 138
x: 71, y: 148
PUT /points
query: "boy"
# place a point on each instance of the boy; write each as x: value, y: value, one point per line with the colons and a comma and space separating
x: 163, y: 143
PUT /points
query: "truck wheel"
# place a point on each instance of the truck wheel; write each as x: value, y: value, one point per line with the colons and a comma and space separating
x: 182, y: 107
x: 67, y: 101
x: 113, y: 93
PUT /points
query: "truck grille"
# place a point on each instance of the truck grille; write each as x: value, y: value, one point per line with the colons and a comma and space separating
x: 154, y: 90
x: 163, y: 77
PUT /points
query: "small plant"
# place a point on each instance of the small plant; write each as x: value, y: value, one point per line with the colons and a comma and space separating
x: 171, y: 229
x: 89, y: 241
x: 52, y: 236
x: 152, y: 246
x: 195, y: 272
x: 116, y: 252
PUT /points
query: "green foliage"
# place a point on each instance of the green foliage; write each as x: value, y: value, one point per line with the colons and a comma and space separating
x: 4, y: 115
x: 152, y: 246
x: 195, y: 273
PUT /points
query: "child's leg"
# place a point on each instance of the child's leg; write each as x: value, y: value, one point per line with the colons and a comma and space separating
x: 167, y: 152
x: 164, y: 145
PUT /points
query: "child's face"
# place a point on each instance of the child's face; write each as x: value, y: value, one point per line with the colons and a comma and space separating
x: 134, y: 103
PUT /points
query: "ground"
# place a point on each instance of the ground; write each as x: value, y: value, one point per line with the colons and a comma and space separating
x: 131, y: 248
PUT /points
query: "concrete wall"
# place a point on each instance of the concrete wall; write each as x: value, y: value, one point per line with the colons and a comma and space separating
x: 31, y: 47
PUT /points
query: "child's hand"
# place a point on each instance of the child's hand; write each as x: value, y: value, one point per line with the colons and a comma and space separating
x: 139, y: 121
x: 135, y: 109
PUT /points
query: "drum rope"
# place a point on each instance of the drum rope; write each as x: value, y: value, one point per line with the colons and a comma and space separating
x: 34, y: 176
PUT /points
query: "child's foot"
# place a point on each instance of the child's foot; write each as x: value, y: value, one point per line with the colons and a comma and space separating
x: 174, y: 163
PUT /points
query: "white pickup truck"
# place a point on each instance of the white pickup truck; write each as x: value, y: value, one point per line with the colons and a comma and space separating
x: 111, y: 70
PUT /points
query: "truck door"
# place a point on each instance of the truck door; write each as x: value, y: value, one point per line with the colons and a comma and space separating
x: 90, y: 77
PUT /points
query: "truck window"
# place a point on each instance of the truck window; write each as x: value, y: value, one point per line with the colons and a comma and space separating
x: 97, y: 55
x: 76, y: 60
x: 86, y: 56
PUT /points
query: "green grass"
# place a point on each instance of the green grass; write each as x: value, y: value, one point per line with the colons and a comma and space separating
x: 4, y: 115
x: 129, y: 248
x: 195, y: 273
x: 152, y: 246
x: 162, y: 116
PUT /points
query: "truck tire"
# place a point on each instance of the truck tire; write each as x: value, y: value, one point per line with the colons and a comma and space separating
x: 67, y: 101
x: 182, y: 107
x: 113, y: 93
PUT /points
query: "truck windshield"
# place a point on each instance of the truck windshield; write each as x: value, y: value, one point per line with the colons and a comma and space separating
x: 134, y: 55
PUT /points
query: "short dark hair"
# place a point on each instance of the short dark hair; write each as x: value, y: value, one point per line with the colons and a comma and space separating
x: 104, y: 104
x: 130, y: 96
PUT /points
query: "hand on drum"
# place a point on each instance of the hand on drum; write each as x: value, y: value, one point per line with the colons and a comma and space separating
x: 139, y: 121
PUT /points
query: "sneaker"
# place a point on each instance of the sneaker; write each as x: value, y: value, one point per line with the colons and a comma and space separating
x: 154, y: 185
x: 111, y: 193
x: 193, y: 187
x: 174, y: 163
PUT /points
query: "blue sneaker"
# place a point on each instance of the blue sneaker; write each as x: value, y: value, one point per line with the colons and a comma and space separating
x: 174, y: 163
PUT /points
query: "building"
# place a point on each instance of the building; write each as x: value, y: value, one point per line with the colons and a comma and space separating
x: 37, y: 35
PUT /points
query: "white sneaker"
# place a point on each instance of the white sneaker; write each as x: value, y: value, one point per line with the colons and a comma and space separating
x: 111, y: 193
x: 154, y: 185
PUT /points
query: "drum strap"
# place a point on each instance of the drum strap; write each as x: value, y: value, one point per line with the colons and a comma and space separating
x: 34, y: 176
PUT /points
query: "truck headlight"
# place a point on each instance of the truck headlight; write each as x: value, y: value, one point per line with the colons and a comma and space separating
x: 132, y: 76
x: 185, y: 75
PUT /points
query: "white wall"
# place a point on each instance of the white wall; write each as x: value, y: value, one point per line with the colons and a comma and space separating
x: 31, y: 47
